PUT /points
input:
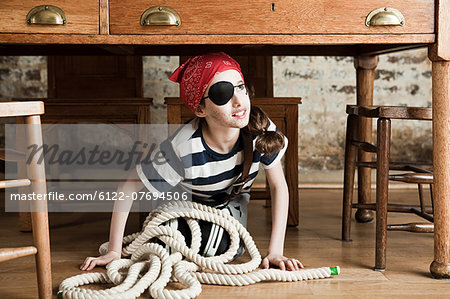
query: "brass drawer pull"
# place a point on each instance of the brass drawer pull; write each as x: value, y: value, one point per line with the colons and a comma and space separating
x: 46, y: 15
x: 385, y: 16
x: 160, y: 15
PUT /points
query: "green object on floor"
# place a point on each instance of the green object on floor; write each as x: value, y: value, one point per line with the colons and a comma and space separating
x: 335, y: 270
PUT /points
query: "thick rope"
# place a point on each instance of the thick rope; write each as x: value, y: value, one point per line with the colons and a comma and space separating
x: 151, y: 267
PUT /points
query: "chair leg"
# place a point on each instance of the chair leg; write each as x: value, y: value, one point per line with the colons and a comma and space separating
x: 39, y: 215
x: 364, y: 189
x: 349, y: 176
x: 421, y: 198
x: 383, y: 148
x: 43, y: 258
x: 431, y: 198
x: 24, y: 217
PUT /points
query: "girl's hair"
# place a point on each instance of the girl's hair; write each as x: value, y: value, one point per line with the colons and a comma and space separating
x: 267, y: 141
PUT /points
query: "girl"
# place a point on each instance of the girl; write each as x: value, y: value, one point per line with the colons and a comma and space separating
x: 210, y: 153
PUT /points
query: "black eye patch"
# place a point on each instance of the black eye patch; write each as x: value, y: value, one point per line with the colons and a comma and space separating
x: 221, y: 92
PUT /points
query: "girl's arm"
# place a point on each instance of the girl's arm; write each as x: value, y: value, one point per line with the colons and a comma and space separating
x: 118, y: 222
x: 280, y: 205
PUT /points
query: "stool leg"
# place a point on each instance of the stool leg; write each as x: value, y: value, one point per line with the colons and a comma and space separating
x: 421, y: 198
x: 24, y: 207
x: 383, y: 148
x: 431, y: 198
x: 349, y: 176
x: 39, y: 215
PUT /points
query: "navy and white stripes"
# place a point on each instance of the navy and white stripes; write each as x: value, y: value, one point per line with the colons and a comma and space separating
x: 191, y: 163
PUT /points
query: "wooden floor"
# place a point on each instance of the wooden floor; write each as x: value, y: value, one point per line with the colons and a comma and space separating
x: 315, y: 242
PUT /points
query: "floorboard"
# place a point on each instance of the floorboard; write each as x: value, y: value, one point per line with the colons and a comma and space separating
x: 316, y: 242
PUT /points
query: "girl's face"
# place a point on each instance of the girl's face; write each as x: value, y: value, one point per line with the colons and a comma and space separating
x: 234, y: 113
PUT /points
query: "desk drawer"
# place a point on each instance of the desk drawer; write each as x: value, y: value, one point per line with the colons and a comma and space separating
x: 81, y: 17
x: 272, y: 17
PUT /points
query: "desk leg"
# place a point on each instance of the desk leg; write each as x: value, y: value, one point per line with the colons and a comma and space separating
x: 440, y: 267
x: 365, y: 75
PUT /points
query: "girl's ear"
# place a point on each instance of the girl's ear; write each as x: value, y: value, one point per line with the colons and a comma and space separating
x: 200, y: 111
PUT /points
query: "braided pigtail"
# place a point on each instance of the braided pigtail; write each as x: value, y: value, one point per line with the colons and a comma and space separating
x: 267, y: 141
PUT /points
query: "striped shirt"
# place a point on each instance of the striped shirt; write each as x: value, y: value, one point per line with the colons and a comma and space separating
x: 191, y: 164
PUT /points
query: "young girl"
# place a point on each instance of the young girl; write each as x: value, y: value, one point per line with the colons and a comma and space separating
x: 213, y: 87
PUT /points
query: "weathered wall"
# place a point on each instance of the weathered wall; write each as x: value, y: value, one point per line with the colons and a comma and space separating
x: 326, y: 85
x: 157, y: 70
x: 23, y: 76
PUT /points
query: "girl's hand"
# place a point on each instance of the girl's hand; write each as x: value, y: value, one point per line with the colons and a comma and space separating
x: 281, y: 262
x: 90, y: 262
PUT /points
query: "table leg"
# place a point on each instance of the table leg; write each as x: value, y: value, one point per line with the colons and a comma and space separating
x: 365, y: 75
x: 440, y: 267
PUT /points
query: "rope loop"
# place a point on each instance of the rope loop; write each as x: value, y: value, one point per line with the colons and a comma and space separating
x: 151, y: 267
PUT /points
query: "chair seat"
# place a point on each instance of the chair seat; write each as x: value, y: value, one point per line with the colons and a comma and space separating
x: 392, y: 112
x: 12, y: 109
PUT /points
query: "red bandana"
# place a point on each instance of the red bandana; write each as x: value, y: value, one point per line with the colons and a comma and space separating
x: 196, y: 73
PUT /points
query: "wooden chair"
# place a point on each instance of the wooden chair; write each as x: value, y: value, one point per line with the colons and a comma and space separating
x: 417, y: 174
x: 284, y: 113
x: 29, y: 113
x: 114, y: 111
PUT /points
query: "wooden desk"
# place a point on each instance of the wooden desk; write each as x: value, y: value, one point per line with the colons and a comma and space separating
x: 260, y: 27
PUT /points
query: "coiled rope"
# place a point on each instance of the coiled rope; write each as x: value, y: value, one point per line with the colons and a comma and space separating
x: 152, y: 267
